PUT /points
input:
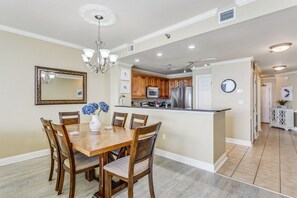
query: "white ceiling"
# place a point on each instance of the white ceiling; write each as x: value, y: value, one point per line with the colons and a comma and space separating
x: 136, y: 18
x: 247, y: 39
x: 60, y: 19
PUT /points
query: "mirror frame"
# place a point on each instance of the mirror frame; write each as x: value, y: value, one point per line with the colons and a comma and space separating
x: 39, y: 101
x: 231, y: 81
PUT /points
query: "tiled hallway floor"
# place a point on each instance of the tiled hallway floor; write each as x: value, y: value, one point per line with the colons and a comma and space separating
x: 271, y: 163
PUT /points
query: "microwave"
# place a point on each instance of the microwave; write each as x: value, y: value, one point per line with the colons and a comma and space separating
x: 152, y: 92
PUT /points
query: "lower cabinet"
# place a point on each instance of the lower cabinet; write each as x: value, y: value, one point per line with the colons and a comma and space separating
x: 282, y: 118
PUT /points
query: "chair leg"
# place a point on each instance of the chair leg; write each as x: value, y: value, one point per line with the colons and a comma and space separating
x: 61, y: 183
x: 72, y: 185
x: 151, y: 184
x: 58, y: 177
x: 89, y: 175
x: 52, y: 169
x: 130, y: 188
x: 107, y: 185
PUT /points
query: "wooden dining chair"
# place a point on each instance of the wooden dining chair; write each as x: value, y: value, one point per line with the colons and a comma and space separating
x: 67, y: 118
x: 119, y: 119
x: 138, y: 120
x: 73, y: 164
x: 138, y: 164
x: 54, y: 150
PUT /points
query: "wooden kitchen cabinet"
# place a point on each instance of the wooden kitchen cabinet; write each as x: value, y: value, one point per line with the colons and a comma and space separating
x: 138, y: 86
x: 141, y: 81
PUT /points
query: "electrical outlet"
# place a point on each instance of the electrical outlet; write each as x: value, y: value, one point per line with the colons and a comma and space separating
x: 164, y: 136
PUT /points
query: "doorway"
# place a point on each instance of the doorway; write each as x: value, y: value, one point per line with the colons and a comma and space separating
x: 203, y: 92
x: 265, y: 102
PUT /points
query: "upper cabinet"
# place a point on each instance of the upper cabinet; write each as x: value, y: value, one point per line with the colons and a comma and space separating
x: 140, y: 81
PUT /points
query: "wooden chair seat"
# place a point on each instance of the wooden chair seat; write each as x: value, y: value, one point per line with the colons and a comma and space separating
x: 82, y: 162
x: 120, y: 167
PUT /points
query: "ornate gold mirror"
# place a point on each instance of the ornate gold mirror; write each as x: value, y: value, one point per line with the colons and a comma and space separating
x: 59, y: 86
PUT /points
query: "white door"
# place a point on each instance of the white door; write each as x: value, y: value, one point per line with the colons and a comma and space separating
x: 203, y: 97
x: 265, y: 102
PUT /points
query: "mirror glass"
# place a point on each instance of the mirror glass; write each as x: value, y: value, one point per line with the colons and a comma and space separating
x: 228, y: 85
x: 56, y: 86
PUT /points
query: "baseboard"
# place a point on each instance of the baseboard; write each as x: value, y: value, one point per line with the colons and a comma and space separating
x: 23, y: 157
x: 219, y: 163
x: 193, y: 162
x: 238, y: 141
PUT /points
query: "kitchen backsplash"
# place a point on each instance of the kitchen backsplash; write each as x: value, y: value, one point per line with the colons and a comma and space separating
x: 138, y: 102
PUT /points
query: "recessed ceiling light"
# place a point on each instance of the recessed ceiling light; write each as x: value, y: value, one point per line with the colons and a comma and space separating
x: 280, y: 67
x: 159, y: 54
x: 280, y: 47
x: 137, y: 60
x: 191, y: 46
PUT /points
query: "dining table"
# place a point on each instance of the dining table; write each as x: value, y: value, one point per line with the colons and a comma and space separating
x: 99, y: 143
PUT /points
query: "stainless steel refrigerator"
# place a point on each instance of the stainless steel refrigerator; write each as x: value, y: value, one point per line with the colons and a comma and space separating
x: 181, y: 97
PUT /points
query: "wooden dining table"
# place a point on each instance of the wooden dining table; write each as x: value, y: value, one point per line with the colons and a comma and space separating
x: 99, y: 143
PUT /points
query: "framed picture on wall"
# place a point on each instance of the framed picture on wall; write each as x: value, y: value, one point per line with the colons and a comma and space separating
x: 287, y: 93
x: 125, y: 87
x: 125, y: 74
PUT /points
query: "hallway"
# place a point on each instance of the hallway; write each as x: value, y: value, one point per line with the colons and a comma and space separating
x: 271, y: 163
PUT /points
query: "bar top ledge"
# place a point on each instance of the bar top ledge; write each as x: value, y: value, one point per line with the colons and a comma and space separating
x: 215, y: 110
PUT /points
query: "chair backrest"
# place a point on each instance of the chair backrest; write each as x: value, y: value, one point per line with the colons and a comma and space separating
x: 64, y: 143
x: 119, y: 119
x: 50, y: 135
x: 143, y: 145
x: 67, y: 118
x: 138, y: 120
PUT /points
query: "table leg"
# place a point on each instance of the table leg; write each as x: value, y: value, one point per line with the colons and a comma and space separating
x: 102, y: 162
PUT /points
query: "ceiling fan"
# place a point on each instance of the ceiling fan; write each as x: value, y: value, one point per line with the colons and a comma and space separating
x: 172, y: 68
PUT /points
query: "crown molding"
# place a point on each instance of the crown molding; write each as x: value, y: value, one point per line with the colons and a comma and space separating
x: 150, y: 73
x: 180, y: 75
x: 232, y: 61
x: 190, y: 21
x: 287, y: 73
x: 39, y: 37
x: 125, y: 64
x: 243, y: 2
x: 118, y: 48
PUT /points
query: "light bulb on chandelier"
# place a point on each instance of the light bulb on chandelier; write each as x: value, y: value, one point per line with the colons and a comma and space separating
x: 104, y: 60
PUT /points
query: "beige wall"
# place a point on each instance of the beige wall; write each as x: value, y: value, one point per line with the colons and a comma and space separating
x: 287, y: 80
x: 238, y: 119
x: 20, y: 127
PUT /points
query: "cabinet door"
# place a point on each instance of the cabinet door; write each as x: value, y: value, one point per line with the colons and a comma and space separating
x: 166, y: 88
x: 142, y: 85
x: 138, y: 87
x: 135, y: 86
x: 150, y: 81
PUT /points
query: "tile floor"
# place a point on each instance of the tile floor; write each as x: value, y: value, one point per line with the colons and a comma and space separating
x: 271, y: 163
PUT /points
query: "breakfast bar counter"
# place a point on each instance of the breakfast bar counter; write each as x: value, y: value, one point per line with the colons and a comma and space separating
x: 192, y: 136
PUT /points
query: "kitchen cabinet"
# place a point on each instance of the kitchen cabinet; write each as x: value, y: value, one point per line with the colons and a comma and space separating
x: 139, y: 86
x: 141, y: 81
x: 282, y: 118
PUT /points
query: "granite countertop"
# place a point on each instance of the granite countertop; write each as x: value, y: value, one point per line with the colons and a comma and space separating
x: 179, y: 109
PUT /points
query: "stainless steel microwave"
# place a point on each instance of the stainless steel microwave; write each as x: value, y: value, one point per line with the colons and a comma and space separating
x: 152, y: 92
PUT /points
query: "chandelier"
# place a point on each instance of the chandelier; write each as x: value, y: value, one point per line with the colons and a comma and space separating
x: 104, y: 60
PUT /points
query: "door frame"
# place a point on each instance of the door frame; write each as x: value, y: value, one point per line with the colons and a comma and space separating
x: 197, y: 88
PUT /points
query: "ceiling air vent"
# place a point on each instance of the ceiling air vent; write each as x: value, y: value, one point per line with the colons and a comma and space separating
x: 131, y: 48
x: 227, y: 15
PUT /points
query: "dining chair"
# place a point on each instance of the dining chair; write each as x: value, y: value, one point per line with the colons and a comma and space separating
x: 138, y: 120
x: 138, y: 164
x: 67, y: 118
x: 119, y: 119
x: 54, y: 150
x: 73, y: 164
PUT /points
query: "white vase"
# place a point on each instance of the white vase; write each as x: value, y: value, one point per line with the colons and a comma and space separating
x: 95, y: 123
